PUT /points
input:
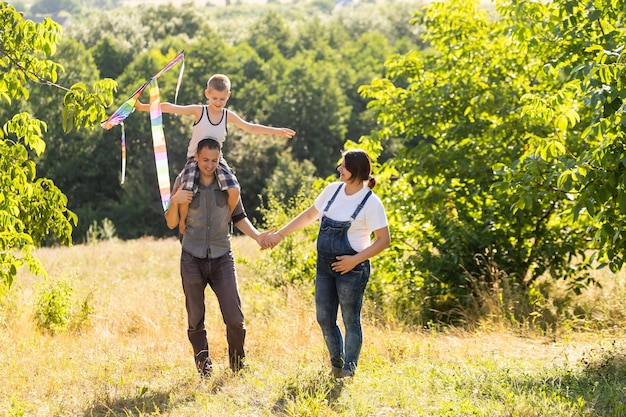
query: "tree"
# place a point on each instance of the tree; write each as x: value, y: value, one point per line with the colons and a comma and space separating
x: 110, y: 58
x: 33, y: 209
x: 84, y: 164
x: 269, y: 36
x: 51, y: 7
x: 582, y: 154
x: 485, y: 185
x: 310, y: 98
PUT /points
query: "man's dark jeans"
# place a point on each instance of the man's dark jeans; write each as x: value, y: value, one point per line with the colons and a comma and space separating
x: 220, y: 275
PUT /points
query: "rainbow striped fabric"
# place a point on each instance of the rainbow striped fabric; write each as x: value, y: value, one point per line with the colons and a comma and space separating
x: 158, y: 143
x: 156, y: 121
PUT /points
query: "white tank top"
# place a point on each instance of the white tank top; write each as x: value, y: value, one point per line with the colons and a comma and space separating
x: 204, y: 128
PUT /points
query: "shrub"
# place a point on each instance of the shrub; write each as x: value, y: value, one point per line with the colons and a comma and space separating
x: 55, y: 311
x: 53, y: 306
x: 294, y: 259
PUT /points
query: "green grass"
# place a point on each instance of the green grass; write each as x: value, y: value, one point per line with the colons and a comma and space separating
x: 132, y: 357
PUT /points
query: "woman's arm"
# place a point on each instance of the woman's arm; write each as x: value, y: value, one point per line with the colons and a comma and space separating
x: 301, y: 221
x: 346, y: 263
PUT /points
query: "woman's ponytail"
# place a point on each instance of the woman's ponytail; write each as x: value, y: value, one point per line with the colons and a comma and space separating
x: 371, y: 182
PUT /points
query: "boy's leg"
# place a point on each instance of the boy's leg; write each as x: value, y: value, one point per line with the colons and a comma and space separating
x: 227, y: 181
x: 233, y: 198
x: 183, y: 209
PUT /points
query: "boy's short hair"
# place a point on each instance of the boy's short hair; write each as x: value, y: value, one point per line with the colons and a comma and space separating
x: 219, y: 82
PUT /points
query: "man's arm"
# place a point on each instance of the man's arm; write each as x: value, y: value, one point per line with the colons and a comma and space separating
x: 243, y: 224
x: 249, y: 230
x: 172, y: 217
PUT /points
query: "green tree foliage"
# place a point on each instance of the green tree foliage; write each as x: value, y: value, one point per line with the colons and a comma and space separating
x: 388, y: 18
x: 581, y: 154
x: 269, y: 36
x: 491, y: 121
x: 83, y: 165
x: 286, y: 71
x: 53, y: 7
x: 110, y: 59
x: 33, y: 209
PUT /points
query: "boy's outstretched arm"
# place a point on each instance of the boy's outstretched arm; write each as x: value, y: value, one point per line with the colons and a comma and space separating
x: 259, y: 128
x: 192, y: 109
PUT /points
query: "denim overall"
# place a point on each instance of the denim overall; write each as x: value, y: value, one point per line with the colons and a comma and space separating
x: 332, y: 289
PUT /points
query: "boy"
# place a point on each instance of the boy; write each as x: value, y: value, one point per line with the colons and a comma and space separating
x: 211, y: 121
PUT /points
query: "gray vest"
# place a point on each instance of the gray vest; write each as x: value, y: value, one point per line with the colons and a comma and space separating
x: 207, y: 234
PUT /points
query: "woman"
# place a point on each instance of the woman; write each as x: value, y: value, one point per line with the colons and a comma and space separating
x: 349, y: 213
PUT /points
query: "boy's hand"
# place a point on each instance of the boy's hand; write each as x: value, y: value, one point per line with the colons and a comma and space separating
x: 182, y: 196
x: 286, y: 132
x: 141, y: 107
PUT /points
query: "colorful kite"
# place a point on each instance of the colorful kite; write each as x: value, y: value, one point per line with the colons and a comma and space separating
x: 156, y: 120
x: 158, y: 142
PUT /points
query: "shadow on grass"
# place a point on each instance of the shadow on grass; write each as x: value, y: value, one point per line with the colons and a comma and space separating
x: 144, y: 403
x: 598, y: 387
x: 318, y: 388
x: 602, y: 383
x: 147, y: 402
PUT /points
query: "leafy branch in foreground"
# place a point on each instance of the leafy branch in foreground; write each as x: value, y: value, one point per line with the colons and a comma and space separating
x: 33, y: 210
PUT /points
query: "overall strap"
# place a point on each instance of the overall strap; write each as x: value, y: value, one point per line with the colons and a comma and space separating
x: 332, y: 199
x: 358, y: 209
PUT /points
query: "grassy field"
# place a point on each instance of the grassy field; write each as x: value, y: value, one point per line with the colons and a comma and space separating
x: 131, y: 357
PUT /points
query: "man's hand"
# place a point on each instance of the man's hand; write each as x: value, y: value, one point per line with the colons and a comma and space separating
x: 271, y: 240
x: 262, y: 237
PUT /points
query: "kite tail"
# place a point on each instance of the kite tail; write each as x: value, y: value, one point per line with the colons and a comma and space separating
x: 158, y: 142
x: 180, y: 80
x: 123, y: 155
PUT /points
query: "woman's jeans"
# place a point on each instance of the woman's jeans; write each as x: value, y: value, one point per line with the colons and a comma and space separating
x: 331, y: 291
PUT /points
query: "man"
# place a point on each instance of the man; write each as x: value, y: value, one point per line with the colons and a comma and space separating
x: 207, y: 258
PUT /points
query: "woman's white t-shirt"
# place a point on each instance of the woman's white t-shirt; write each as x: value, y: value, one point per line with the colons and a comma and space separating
x: 371, y: 217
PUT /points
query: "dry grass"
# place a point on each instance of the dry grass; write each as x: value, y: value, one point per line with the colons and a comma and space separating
x: 134, y: 358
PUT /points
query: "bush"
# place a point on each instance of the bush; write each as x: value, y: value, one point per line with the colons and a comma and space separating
x: 53, y: 306
x: 54, y: 311
x: 294, y: 259
x: 96, y: 232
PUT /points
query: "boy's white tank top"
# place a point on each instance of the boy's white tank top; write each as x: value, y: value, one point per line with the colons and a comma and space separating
x: 205, y: 128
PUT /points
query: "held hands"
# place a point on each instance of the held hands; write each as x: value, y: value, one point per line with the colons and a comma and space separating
x: 344, y: 264
x: 262, y: 237
x: 270, y: 240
